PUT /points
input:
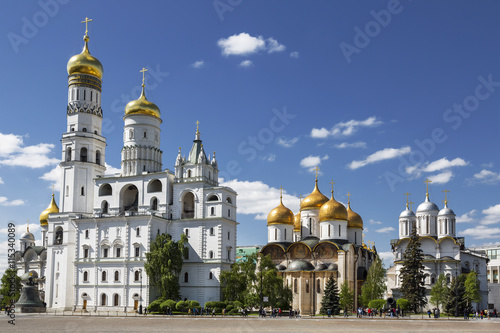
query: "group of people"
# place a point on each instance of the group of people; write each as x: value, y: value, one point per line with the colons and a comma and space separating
x: 484, y: 314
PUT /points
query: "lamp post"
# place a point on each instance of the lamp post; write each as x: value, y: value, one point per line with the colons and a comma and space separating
x: 456, y: 292
x: 140, y: 295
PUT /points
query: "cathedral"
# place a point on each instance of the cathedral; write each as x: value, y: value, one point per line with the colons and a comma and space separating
x: 95, y: 240
x: 443, y: 251
x: 324, y: 239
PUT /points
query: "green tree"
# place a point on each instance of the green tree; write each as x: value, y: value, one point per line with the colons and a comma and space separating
x: 272, y: 285
x: 9, y: 277
x: 346, y: 296
x: 330, y: 299
x: 377, y: 304
x: 374, y: 286
x: 164, y: 263
x: 455, y: 300
x: 439, y: 291
x: 472, y: 293
x: 237, y: 282
x: 412, y: 274
x: 403, y: 304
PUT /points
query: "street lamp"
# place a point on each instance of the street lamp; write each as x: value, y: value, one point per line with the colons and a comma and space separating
x: 140, y: 277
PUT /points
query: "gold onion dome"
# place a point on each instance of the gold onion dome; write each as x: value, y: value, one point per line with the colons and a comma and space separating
x: 353, y: 218
x: 296, y: 224
x: 50, y: 210
x: 332, y: 210
x: 280, y: 215
x: 314, y: 200
x: 85, y: 63
x: 142, y: 106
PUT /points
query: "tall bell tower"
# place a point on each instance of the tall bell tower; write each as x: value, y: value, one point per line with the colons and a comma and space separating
x: 83, y: 145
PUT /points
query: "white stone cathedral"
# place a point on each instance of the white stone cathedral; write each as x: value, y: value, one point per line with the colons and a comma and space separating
x: 443, y: 251
x: 97, y: 240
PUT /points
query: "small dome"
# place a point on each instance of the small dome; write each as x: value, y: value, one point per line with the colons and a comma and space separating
x: 280, y: 267
x: 333, y: 267
x: 321, y: 267
x: 280, y: 215
x: 50, y: 210
x: 300, y: 265
x: 427, y: 206
x: 407, y: 213
x: 85, y: 63
x: 142, y: 106
x: 314, y: 200
x: 296, y: 224
x: 353, y: 218
x: 27, y: 236
x: 446, y: 210
x: 332, y: 210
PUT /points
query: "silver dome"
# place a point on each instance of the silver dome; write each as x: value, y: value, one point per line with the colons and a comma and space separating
x: 427, y: 206
x: 407, y: 213
x: 27, y: 236
x: 446, y: 211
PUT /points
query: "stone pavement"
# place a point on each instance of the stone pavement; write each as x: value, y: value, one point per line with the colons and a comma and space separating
x: 50, y: 323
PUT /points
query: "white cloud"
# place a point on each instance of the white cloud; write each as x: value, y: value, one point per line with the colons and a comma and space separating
x: 487, y: 177
x: 372, y: 221
x: 467, y: 217
x: 54, y: 177
x: 385, y: 230
x: 344, y: 129
x: 481, y: 232
x: 487, y: 165
x: 287, y: 143
x: 269, y: 157
x: 14, y: 153
x: 310, y: 162
x: 259, y: 198
x: 1, y: 180
x: 21, y: 228
x: 381, y: 155
x: 294, y: 54
x: 441, y: 164
x: 274, y: 46
x: 198, y: 64
x: 441, y: 178
x: 246, y: 63
x: 4, y: 201
x: 110, y: 170
x: 492, y: 215
x: 358, y: 144
x: 241, y: 44
x: 385, y: 255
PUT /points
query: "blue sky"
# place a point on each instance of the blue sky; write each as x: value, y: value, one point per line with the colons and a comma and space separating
x: 379, y: 94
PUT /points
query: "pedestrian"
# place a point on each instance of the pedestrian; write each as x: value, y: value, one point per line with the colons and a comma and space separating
x: 429, y: 313
x: 345, y: 312
x: 213, y: 312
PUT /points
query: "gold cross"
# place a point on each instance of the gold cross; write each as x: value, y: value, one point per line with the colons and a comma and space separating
x: 300, y: 198
x: 411, y: 205
x: 281, y: 191
x: 197, y: 126
x: 349, y: 198
x: 331, y: 183
x: 87, y: 20
x: 143, y: 71
x: 28, y: 226
x: 427, y: 190
x: 407, y: 196
x: 445, y: 196
x: 316, y: 169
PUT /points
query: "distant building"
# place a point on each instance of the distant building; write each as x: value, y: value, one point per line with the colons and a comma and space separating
x: 324, y: 239
x: 493, y: 253
x: 443, y: 251
x: 242, y: 251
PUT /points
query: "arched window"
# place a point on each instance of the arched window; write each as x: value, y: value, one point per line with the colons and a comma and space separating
x: 188, y: 206
x: 212, y: 211
x: 117, y: 276
x: 154, y: 204
x: 210, y: 276
x: 211, y: 254
x: 138, y: 231
x: 103, y: 299
x: 59, y: 236
x: 105, y: 189
x: 318, y: 289
x: 68, y: 154
x: 209, y: 175
x: 116, y: 299
x: 212, y: 231
x: 105, y: 207
x: 98, y: 157
x: 213, y: 198
x: 136, y: 276
x: 186, y: 277
x: 307, y: 286
x: 295, y: 285
x: 129, y: 198
x: 189, y: 173
x: 103, y: 276
x: 228, y: 200
x: 83, y: 154
x: 85, y: 276
x: 84, y: 129
x: 154, y: 186
x: 186, y: 232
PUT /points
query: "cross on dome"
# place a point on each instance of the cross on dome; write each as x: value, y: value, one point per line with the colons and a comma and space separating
x: 407, y: 196
x: 427, y: 181
x: 316, y: 169
x: 349, y: 198
x: 446, y: 197
x: 86, y: 21
x: 143, y: 71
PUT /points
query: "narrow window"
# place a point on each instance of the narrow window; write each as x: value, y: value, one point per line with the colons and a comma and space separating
x: 189, y: 173
x: 355, y: 238
x: 328, y: 230
x: 103, y: 276
x: 144, y: 134
x: 98, y: 157
x: 84, y: 94
x: 83, y: 155
x: 186, y: 253
x: 85, y: 276
x: 212, y: 211
x: 211, y: 254
x: 68, y: 154
x: 228, y: 213
x: 275, y: 234
x: 211, y: 231
x: 318, y: 290
x: 210, y: 276
x: 117, y: 275
x: 228, y: 254
x: 229, y: 235
x: 136, y: 276
x: 78, y: 94
x: 118, y: 252
x: 115, y: 300
x: 85, y: 253
x: 186, y: 232
x: 137, y: 251
x: 105, y: 253
x: 82, y: 190
x: 87, y: 233
x: 97, y: 97
x: 91, y: 96
x: 307, y: 286
x: 339, y: 232
x: 103, y: 299
x: 137, y: 231
x: 285, y: 235
x: 295, y: 285
x: 186, y: 277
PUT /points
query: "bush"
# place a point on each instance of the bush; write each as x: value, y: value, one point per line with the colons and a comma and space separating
x: 377, y: 304
x: 404, y: 304
x: 238, y: 304
x: 167, y: 304
x: 193, y: 304
x: 229, y: 307
x: 182, y: 305
x: 155, y: 306
x: 209, y: 304
x: 234, y: 312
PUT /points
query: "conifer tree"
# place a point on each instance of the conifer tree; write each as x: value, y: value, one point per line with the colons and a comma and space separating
x: 346, y: 297
x: 456, y: 302
x: 330, y: 299
x: 412, y: 274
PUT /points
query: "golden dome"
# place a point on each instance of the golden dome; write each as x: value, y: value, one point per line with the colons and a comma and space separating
x: 332, y: 210
x: 297, y: 225
x: 142, y: 106
x: 280, y: 215
x: 85, y: 63
x: 353, y: 218
x: 50, y: 210
x: 314, y: 200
